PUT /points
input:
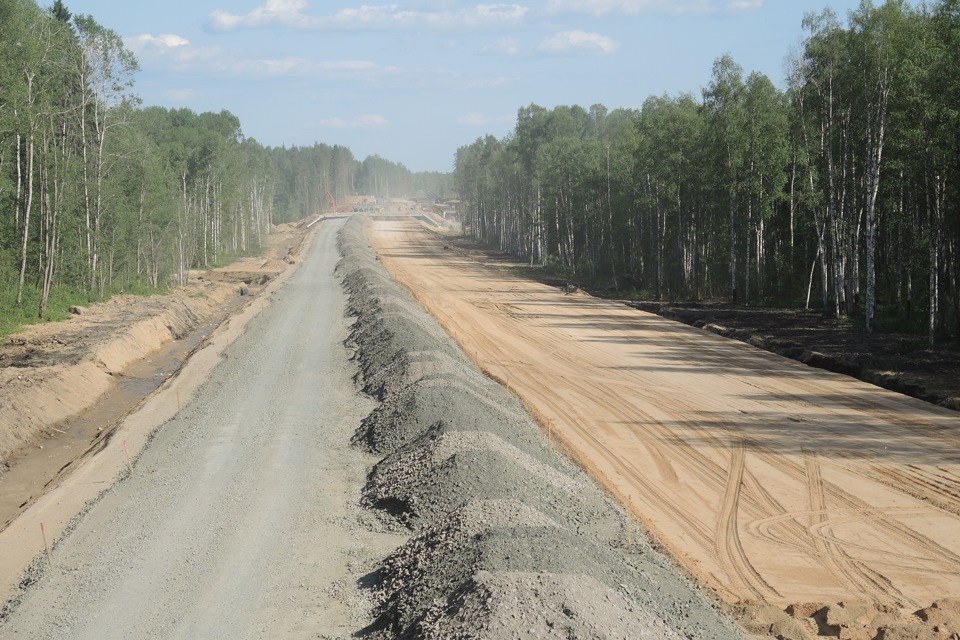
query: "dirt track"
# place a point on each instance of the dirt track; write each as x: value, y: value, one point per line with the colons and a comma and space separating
x: 771, y: 481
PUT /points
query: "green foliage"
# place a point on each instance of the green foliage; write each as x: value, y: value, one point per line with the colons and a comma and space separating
x: 308, y: 176
x: 123, y: 198
x: 835, y: 192
x: 13, y: 316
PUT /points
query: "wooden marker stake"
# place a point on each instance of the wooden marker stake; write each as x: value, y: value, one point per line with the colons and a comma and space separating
x: 549, y: 434
x: 508, y: 388
x: 46, y: 546
x: 178, y: 400
x: 126, y: 452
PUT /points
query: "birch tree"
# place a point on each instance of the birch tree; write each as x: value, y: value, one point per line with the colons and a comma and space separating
x: 875, y: 41
x: 106, y: 69
x: 723, y: 100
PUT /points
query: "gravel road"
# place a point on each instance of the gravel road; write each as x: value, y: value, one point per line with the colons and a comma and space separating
x: 240, y: 519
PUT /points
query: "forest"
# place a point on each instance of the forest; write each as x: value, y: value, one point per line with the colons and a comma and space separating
x: 100, y: 194
x: 841, y: 190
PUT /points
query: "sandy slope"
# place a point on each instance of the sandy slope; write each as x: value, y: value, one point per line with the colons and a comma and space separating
x: 771, y: 481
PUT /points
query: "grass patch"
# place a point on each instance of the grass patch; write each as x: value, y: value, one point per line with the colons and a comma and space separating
x: 13, y: 316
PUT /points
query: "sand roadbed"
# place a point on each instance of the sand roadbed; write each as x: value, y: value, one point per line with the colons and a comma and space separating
x: 812, y: 503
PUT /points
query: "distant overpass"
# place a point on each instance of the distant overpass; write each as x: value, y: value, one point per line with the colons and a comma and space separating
x: 382, y: 215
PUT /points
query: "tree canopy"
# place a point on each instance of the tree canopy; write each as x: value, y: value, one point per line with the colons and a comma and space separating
x: 839, y: 188
x: 101, y: 194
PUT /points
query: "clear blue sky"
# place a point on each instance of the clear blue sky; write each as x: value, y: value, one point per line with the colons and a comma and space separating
x: 413, y: 80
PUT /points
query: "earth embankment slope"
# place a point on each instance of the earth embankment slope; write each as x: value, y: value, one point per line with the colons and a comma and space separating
x: 772, y: 482
x: 53, y: 372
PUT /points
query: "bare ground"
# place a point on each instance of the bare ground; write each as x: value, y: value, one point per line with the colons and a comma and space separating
x: 239, y: 518
x: 901, y: 362
x: 495, y: 598
x: 813, y: 504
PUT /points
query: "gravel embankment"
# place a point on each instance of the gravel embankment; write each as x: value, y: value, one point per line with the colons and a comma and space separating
x: 510, y: 539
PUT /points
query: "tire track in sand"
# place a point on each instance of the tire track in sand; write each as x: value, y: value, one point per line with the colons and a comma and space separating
x: 728, y: 544
x: 852, y: 574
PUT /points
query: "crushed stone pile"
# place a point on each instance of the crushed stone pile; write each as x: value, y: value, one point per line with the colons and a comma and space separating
x: 510, y: 539
x: 539, y: 605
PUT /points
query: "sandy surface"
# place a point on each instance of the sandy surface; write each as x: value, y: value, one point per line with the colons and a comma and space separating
x: 772, y: 482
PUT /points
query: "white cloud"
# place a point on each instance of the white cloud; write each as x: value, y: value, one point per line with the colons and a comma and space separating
x: 360, y: 121
x: 630, y: 7
x: 504, y: 47
x: 173, y: 52
x: 272, y: 13
x: 294, y: 14
x: 579, y: 41
x: 168, y: 50
x: 162, y: 41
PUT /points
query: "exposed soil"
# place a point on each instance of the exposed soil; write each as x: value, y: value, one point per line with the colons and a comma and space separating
x: 900, y: 362
x: 725, y: 481
x: 511, y: 539
x: 813, y: 504
x: 242, y: 518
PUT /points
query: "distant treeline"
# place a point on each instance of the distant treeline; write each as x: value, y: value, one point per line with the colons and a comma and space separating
x: 100, y: 194
x: 845, y: 187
